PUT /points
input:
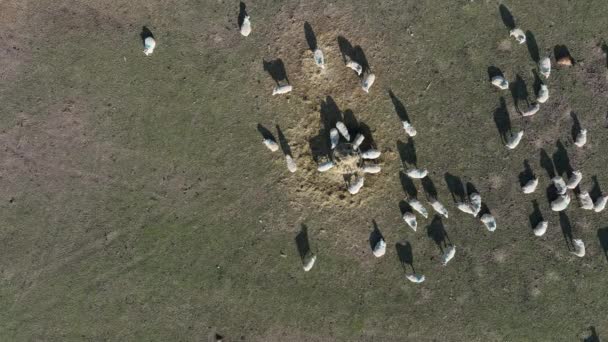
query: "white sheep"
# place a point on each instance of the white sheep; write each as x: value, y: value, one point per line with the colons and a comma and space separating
x: 334, y: 137
x: 367, y: 82
x: 585, y: 200
x: 533, y: 109
x: 561, y: 203
x: 448, y: 255
x: 356, y: 185
x: 325, y: 166
x: 417, y: 206
x: 475, y: 199
x: 466, y: 208
x: 545, y: 66
x: 581, y: 138
x: 358, y: 141
x: 579, y: 248
x: 410, y: 219
x: 600, y: 203
x: 530, y: 186
x: 355, y: 66
x: 489, y: 221
x: 500, y: 82
x: 149, y: 45
x: 514, y: 140
x: 271, y: 144
x: 291, y: 164
x: 439, y: 208
x: 543, y: 94
x: 409, y: 129
x: 371, y: 168
x: 282, y: 89
x: 370, y: 154
x: 246, y: 26
x: 541, y: 228
x: 519, y: 35
x: 343, y: 130
x: 573, y: 181
x: 310, y: 262
x: 560, y: 185
x: 319, y: 58
x: 414, y: 278
x: 417, y: 173
x: 379, y: 248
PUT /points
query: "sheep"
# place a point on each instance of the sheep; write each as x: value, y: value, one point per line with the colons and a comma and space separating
x: 585, y: 200
x: 541, y: 228
x: 358, y: 141
x: 530, y: 186
x: 373, y: 168
x: 284, y: 89
x: 319, y: 58
x: 519, y: 35
x: 545, y: 67
x: 600, y: 203
x: 417, y: 206
x: 532, y: 110
x: 414, y: 278
x: 489, y: 221
x: 367, y: 82
x: 334, y: 138
x: 291, y: 164
x: 356, y: 185
x: 579, y: 248
x: 343, y: 130
x: 325, y: 166
x: 466, y: 208
x: 409, y: 129
x: 543, y: 94
x: 500, y: 82
x: 379, y: 248
x: 475, y: 199
x: 410, y: 219
x: 149, y: 45
x: 439, y: 208
x: 561, y: 203
x: 581, y: 138
x: 246, y: 26
x: 271, y: 144
x: 573, y: 181
x: 310, y: 262
x: 514, y: 140
x: 417, y: 173
x: 448, y: 255
x: 355, y: 66
x: 560, y: 185
x: 370, y: 154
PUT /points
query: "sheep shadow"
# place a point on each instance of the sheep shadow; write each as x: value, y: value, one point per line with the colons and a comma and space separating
x: 471, y: 189
x: 266, y: 134
x: 455, y: 186
x: 145, y: 33
x: 546, y: 163
x: 407, y: 152
x: 561, y: 51
x: 532, y: 47
x: 303, y: 243
x: 596, y: 190
x: 527, y: 174
x: 519, y: 91
x: 242, y: 13
x: 311, y: 38
x: 561, y: 160
x: 576, y: 125
x: 564, y: 223
x: 350, y: 53
x: 605, y: 49
x: 405, y: 207
x: 408, y: 185
x: 493, y: 72
x: 283, y: 142
x: 405, y: 255
x: 507, y: 17
x: 355, y: 127
x: 594, y: 337
x: 330, y: 114
x: 375, y: 236
x: 502, y: 120
x: 276, y: 70
x: 602, y: 236
x: 429, y: 188
x: 536, y: 216
x: 399, y: 107
x: 537, y: 83
x: 436, y: 231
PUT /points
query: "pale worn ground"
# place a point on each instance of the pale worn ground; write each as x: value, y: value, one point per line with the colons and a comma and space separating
x: 138, y: 202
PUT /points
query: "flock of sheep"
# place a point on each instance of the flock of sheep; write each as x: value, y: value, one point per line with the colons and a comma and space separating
x: 341, y: 146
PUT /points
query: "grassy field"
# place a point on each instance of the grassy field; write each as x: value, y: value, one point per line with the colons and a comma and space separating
x: 139, y: 204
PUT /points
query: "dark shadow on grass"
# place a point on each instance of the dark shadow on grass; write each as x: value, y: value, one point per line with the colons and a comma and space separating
x: 502, y: 120
x: 436, y: 231
x: 561, y: 51
x: 546, y: 163
x: 605, y: 49
x: 405, y: 255
x: 408, y: 186
x: 456, y: 187
x: 576, y: 125
x: 519, y: 91
x: 602, y: 236
x: 562, y: 161
x: 537, y: 83
x: 350, y: 53
x: 507, y: 17
x: 493, y: 72
x: 596, y: 190
x: 320, y: 145
x: 242, y: 13
x: 375, y: 236
x: 532, y: 47
x: 145, y: 33
x: 399, y: 107
x: 527, y: 174
x: 283, y: 142
x: 593, y: 336
x: 276, y: 70
x: 564, y: 223
x: 536, y: 216
x: 429, y: 188
x: 311, y: 38
x: 302, y: 243
x: 266, y: 134
x: 407, y: 152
